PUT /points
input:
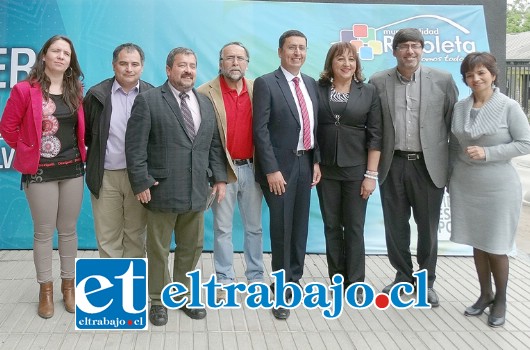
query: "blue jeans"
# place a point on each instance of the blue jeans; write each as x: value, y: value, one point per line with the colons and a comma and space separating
x: 249, y: 197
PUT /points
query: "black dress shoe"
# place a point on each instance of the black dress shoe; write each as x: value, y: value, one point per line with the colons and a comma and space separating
x: 281, y: 313
x: 432, y: 297
x: 388, y: 288
x: 196, y: 314
x: 476, y: 311
x: 288, y: 292
x: 496, y: 321
x: 158, y: 315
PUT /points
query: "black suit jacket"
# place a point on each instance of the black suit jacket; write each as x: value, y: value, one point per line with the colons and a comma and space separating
x: 360, y: 127
x: 159, y: 149
x: 276, y: 124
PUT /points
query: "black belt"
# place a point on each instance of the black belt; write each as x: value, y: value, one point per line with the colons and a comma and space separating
x: 242, y: 161
x: 301, y: 152
x: 409, y: 155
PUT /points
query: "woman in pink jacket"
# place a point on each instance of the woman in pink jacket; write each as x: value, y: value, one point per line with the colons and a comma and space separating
x: 43, y: 121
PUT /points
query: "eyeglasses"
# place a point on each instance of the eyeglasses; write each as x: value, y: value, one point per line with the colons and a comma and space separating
x: 234, y: 58
x: 414, y: 47
x: 293, y: 48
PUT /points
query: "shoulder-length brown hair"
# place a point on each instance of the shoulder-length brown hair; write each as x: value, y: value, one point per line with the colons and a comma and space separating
x: 72, y: 87
x: 337, y: 49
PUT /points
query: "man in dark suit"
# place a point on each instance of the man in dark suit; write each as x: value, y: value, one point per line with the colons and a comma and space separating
x: 286, y: 153
x: 417, y: 104
x: 173, y: 149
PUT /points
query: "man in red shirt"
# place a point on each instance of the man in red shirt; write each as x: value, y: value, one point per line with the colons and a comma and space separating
x: 231, y: 95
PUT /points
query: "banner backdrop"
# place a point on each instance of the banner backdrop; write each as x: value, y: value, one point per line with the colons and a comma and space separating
x: 96, y: 27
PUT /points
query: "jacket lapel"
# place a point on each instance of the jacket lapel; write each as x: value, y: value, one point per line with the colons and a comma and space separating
x: 216, y: 96
x: 167, y: 95
x: 202, y: 108
x: 425, y: 91
x: 355, y: 95
x: 391, y: 94
x: 36, y: 107
x: 286, y: 91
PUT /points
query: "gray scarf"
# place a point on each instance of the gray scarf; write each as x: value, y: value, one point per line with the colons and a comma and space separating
x: 487, y: 120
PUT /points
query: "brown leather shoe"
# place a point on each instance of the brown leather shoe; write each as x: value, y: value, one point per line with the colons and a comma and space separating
x: 46, y: 300
x: 68, y: 289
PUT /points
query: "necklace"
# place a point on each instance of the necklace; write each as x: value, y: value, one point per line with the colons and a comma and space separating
x: 338, y: 97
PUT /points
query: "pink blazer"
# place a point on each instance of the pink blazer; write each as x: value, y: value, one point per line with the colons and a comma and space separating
x: 21, y: 126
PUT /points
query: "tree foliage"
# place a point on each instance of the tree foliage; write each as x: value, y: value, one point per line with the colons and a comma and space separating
x: 518, y: 16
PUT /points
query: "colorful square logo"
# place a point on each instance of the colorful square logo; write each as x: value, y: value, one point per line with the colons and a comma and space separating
x: 364, y: 38
x: 111, y: 294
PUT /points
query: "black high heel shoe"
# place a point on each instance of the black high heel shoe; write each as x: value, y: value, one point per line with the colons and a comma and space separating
x: 494, y: 321
x: 472, y: 311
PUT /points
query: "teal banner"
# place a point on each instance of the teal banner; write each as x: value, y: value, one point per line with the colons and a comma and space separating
x: 97, y: 26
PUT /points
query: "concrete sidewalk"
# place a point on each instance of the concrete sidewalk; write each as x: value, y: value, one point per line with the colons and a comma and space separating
x: 444, y: 327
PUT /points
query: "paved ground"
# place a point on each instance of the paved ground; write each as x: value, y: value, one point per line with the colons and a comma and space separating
x: 444, y: 327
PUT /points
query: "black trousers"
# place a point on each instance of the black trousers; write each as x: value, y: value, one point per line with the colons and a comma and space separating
x: 343, y: 212
x: 289, y: 219
x: 408, y: 185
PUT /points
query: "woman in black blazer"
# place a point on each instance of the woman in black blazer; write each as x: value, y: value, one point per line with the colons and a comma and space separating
x: 349, y: 136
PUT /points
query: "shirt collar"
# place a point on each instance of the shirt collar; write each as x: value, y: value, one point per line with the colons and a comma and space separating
x: 116, y: 86
x: 404, y: 80
x: 289, y: 76
x: 177, y: 93
x: 226, y: 89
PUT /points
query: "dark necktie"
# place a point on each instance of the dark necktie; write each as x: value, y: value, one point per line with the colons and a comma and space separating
x: 305, y: 115
x: 186, y: 114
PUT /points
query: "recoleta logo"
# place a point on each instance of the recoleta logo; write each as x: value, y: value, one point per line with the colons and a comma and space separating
x: 445, y: 40
x: 330, y: 299
x: 111, y: 294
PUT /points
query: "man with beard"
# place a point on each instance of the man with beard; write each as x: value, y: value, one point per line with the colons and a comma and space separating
x: 173, y: 149
x: 231, y: 95
x: 417, y: 104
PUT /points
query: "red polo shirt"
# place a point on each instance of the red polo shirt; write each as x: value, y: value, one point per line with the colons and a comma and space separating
x: 238, y: 121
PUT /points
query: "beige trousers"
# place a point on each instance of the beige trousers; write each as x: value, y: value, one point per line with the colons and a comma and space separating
x: 119, y: 218
x: 55, y: 204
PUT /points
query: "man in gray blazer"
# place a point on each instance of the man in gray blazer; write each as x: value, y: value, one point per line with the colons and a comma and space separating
x: 173, y: 149
x: 417, y: 104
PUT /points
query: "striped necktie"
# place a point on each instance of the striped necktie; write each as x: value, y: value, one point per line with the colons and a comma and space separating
x: 305, y: 115
x: 186, y: 114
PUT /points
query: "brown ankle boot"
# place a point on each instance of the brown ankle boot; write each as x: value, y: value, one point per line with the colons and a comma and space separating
x: 68, y: 289
x: 46, y: 300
